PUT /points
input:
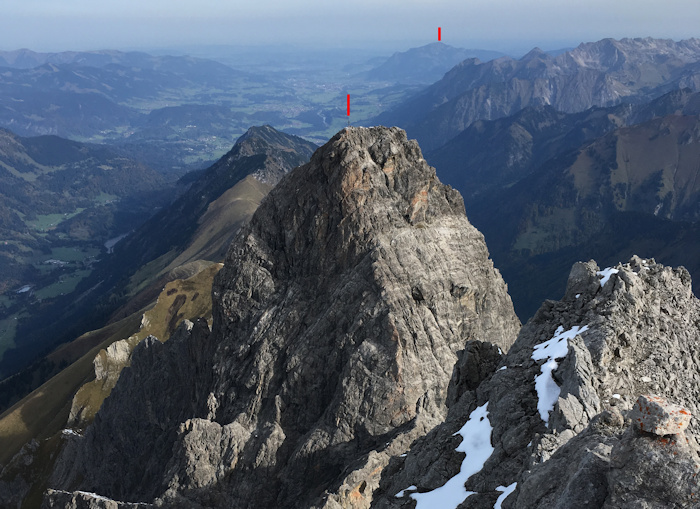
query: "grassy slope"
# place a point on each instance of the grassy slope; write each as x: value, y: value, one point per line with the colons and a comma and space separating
x: 215, y: 230
x: 44, y: 412
x: 222, y: 220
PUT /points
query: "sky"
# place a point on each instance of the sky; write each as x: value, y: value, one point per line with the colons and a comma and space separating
x: 505, y: 25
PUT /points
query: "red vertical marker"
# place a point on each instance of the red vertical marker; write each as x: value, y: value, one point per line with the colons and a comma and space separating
x: 439, y: 33
x: 348, y: 105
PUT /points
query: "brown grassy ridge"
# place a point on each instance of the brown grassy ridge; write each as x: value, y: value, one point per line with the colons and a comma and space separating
x: 182, y: 292
x: 182, y: 299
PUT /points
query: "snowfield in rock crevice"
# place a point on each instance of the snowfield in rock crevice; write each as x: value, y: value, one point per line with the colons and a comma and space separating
x: 556, y: 348
x: 476, y: 444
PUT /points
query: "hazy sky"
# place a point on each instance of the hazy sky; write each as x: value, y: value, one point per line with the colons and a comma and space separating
x: 57, y: 25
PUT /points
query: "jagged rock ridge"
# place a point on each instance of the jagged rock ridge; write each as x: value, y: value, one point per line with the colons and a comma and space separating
x: 625, y: 331
x: 339, y: 315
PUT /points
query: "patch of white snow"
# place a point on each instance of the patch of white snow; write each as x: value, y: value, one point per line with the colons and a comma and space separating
x: 401, y: 493
x: 476, y: 443
x: 552, y: 349
x: 616, y: 396
x: 578, y: 295
x: 507, y: 490
x: 605, y: 275
x: 69, y: 431
x: 502, y: 368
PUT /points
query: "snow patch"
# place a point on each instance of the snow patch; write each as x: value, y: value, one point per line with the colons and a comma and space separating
x: 68, y: 431
x: 616, y: 396
x: 605, y: 275
x: 507, y: 490
x: 476, y: 443
x: 555, y: 348
x: 578, y: 295
x: 401, y: 493
x: 502, y: 368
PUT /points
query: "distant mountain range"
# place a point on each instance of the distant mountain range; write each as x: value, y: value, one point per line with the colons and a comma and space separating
x: 176, y: 113
x: 498, y: 153
x: 548, y: 188
x: 426, y: 64
x: 107, y: 96
x: 603, y: 73
x: 191, y: 68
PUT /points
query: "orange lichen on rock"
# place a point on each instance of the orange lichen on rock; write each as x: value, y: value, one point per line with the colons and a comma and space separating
x: 654, y: 414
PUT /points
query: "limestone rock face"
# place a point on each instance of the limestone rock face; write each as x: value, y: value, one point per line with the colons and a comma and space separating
x: 559, y: 405
x: 339, y: 316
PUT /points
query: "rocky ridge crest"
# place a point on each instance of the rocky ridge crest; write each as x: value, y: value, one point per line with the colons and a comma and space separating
x: 625, y: 331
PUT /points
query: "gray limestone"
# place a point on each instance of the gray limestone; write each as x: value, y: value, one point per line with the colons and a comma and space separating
x: 339, y: 316
x: 653, y: 414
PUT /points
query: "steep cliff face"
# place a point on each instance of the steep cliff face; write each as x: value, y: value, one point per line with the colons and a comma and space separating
x: 339, y: 315
x: 552, y: 425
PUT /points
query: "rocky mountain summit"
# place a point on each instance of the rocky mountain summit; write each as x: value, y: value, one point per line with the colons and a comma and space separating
x: 356, y: 359
x: 338, y: 317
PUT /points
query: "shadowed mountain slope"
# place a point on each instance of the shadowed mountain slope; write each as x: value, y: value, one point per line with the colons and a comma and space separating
x: 262, y: 152
x: 603, y: 73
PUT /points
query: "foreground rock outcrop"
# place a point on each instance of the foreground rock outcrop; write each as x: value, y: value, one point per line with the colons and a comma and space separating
x: 339, y: 316
x: 558, y: 408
